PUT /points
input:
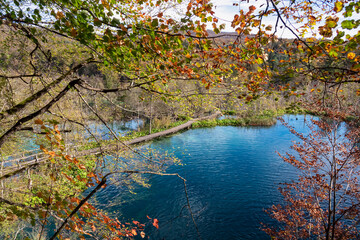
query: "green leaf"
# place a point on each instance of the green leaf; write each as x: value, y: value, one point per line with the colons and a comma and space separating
x: 331, y: 24
x: 259, y: 61
x: 349, y: 10
x: 155, y: 22
x: 333, y: 53
x: 348, y: 24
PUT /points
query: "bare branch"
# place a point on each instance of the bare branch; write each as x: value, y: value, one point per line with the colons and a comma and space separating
x: 15, y: 109
x: 33, y: 115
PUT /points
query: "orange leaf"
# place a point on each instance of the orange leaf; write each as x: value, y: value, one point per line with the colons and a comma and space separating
x: 252, y: 8
x: 38, y: 121
x: 156, y: 223
x: 133, y: 231
x: 136, y: 222
x: 43, y: 149
x: 69, y: 178
x: 123, y: 28
x: 148, y: 217
x: 142, y: 234
x: 73, y: 32
x: 82, y: 166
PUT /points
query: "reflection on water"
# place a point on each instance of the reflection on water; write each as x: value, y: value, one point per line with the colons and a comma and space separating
x: 232, y: 176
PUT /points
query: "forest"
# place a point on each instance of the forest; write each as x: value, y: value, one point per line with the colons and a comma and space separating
x: 69, y: 65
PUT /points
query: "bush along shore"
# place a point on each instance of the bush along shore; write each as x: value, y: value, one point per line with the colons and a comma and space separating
x: 265, y: 118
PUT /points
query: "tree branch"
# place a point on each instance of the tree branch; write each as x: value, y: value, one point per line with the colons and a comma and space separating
x: 41, y: 92
x: 102, y: 183
x: 33, y: 115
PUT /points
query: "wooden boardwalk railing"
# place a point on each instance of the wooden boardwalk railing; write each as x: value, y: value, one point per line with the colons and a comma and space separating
x: 11, y: 165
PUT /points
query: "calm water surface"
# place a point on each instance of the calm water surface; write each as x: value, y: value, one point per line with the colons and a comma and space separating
x: 232, y: 173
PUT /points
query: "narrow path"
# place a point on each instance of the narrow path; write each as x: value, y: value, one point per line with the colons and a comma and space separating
x: 14, y: 166
x: 120, y: 145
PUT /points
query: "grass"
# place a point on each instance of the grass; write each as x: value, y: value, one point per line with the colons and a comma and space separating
x: 265, y: 118
x: 248, y: 121
x: 131, y: 135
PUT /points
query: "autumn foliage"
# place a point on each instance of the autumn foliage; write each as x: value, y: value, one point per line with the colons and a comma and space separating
x: 151, y: 49
x: 323, y: 203
x: 59, y: 196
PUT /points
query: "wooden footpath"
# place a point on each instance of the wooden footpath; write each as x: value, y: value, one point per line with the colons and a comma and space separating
x: 30, y: 159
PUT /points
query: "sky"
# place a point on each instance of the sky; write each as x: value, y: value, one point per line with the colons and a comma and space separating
x: 225, y: 11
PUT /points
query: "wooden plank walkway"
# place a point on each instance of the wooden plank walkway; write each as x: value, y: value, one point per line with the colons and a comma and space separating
x: 16, y: 165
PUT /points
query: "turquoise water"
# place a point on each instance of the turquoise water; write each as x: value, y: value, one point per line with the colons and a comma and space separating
x: 232, y: 173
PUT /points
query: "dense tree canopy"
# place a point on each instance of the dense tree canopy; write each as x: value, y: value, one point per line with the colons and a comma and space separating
x: 62, y: 60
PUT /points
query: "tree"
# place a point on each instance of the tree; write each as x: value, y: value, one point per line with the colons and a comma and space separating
x: 323, y: 202
x: 150, y: 49
x: 49, y: 46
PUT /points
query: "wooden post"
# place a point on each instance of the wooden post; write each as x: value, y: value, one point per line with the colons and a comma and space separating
x: 138, y: 119
x: 18, y: 160
x: 2, y: 172
x: 29, y: 177
x: 150, y: 112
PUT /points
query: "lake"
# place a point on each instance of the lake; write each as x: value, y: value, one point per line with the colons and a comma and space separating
x: 233, y: 174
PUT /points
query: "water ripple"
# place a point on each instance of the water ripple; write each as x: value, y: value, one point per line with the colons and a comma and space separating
x: 232, y: 176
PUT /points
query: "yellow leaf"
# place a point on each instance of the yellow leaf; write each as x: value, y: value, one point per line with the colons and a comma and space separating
x: 256, y: 23
x: 338, y: 6
x: 105, y: 4
x: 351, y: 55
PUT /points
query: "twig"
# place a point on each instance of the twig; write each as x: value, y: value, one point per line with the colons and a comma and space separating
x: 102, y: 183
